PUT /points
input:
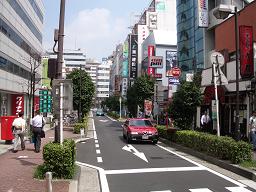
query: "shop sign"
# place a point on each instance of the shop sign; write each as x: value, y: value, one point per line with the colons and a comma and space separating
x: 156, y: 62
x: 151, y: 52
x: 17, y: 104
x: 174, y: 81
x: 203, y: 20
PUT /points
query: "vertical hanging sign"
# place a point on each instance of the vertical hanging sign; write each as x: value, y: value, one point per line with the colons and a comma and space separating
x: 133, y: 56
x: 246, y: 51
x: 125, y: 59
x: 151, y: 52
x: 17, y: 104
x: 203, y: 13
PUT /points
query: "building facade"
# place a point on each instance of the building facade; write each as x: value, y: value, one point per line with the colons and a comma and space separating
x: 21, y: 26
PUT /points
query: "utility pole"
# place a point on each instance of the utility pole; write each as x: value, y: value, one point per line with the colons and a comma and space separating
x: 58, y: 137
x: 80, y: 93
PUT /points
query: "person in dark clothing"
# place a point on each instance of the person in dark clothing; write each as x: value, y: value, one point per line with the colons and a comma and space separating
x: 37, y: 124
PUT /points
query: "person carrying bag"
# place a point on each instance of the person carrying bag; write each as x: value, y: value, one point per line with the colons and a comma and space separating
x: 38, y: 132
x: 18, y: 129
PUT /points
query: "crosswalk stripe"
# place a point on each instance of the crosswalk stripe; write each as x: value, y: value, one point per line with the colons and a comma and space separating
x: 238, y: 189
x: 200, y: 190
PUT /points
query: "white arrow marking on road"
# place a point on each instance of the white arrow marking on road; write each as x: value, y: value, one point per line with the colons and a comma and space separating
x: 131, y: 149
x: 104, y: 121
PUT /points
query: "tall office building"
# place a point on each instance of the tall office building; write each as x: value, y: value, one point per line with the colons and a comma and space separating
x: 21, y: 26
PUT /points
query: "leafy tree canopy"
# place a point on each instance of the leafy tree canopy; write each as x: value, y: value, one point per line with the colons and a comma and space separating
x: 87, y: 90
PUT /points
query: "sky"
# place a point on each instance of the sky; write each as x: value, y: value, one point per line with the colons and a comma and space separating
x: 94, y: 26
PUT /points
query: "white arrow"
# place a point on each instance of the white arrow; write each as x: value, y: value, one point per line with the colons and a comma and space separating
x: 131, y: 149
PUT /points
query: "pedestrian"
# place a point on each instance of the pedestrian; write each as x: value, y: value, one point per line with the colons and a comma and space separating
x: 252, y: 126
x: 19, y: 125
x: 37, y: 126
x: 205, y: 121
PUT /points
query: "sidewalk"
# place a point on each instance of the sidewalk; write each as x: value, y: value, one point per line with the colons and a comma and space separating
x: 17, y: 169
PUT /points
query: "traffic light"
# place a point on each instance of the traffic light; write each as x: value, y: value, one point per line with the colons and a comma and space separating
x: 45, y: 104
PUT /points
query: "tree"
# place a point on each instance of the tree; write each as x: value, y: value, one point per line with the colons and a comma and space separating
x: 87, y: 90
x: 142, y: 89
x: 112, y: 103
x: 184, y: 103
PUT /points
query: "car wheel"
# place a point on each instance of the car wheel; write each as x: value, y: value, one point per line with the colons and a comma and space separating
x: 124, y: 136
x: 155, y: 142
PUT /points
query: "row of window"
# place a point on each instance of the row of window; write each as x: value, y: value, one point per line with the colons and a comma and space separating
x: 11, y: 67
x: 14, y: 37
x: 17, y: 8
x: 37, y: 10
x: 102, y: 86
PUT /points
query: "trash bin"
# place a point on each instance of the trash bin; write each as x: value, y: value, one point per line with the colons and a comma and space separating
x: 6, y: 128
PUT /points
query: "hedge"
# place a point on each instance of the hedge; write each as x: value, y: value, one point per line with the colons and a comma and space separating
x: 222, y: 147
x: 83, y: 125
x: 58, y: 159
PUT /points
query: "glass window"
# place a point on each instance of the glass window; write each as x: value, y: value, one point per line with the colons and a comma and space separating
x: 145, y: 123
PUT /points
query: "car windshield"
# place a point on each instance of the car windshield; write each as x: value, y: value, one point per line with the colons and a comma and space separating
x: 99, y: 110
x: 145, y: 123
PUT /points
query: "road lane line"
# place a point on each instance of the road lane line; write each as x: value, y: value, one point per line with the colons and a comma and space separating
x: 201, y: 190
x: 153, y: 170
x: 162, y: 191
x: 103, y: 178
x: 206, y: 168
x: 96, y: 141
x: 97, y: 145
x: 110, y: 118
x: 94, y: 130
x: 99, y: 159
x: 238, y: 189
x: 97, y: 151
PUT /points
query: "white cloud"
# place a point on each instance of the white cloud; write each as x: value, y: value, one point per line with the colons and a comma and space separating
x: 95, y: 31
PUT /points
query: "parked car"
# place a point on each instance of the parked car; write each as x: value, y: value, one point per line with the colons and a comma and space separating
x: 99, y: 112
x: 140, y: 129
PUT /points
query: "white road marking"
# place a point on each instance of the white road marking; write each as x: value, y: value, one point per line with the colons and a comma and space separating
x: 97, y: 145
x: 153, y: 170
x: 162, y: 191
x: 104, y: 121
x: 99, y: 159
x: 200, y: 190
x: 103, y: 178
x: 110, y: 118
x: 206, y: 168
x: 51, y: 137
x: 22, y: 157
x: 96, y: 141
x: 94, y: 130
x: 97, y: 151
x: 83, y: 142
x: 134, y: 151
x: 238, y: 189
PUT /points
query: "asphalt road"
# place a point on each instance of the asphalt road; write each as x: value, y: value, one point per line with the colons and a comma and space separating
x: 144, y: 167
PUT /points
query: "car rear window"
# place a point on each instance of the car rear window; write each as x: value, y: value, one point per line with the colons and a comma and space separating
x: 146, y: 123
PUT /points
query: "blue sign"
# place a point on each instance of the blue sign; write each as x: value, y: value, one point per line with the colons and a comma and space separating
x: 174, y: 81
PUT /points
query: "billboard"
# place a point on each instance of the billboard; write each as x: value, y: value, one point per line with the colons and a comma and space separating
x: 152, y: 20
x: 246, y: 51
x: 203, y: 20
x: 156, y: 62
x: 148, y: 107
x: 125, y: 59
x: 171, y: 61
x: 133, y: 55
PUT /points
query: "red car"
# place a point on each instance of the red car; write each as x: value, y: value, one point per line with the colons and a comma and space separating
x: 139, y: 129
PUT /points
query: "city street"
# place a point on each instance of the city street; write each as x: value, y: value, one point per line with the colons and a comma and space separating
x: 146, y: 167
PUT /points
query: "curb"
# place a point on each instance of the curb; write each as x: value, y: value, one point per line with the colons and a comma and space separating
x: 247, y: 173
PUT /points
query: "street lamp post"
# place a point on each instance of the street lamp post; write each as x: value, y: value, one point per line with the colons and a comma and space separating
x: 222, y: 13
x: 80, y: 92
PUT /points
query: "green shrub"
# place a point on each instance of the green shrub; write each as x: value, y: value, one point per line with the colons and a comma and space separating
x: 78, y: 127
x: 58, y: 159
x: 224, y: 148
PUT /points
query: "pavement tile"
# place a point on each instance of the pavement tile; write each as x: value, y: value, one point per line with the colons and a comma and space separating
x: 17, y: 169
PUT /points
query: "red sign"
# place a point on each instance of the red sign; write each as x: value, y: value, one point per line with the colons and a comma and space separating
x: 17, y: 104
x: 151, y: 52
x: 158, y: 75
x: 176, y: 72
x: 246, y: 51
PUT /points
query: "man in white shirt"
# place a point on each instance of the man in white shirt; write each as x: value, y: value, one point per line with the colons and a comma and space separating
x: 205, y: 120
x: 37, y: 124
x: 252, y: 124
x: 19, y: 125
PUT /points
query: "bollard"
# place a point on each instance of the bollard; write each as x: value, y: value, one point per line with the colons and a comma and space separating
x: 48, y: 177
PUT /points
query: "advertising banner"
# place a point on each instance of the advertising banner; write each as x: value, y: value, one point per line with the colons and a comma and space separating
x: 151, y: 52
x: 148, y: 107
x: 152, y: 20
x: 125, y: 59
x: 203, y: 20
x: 174, y: 81
x: 133, y: 56
x: 156, y: 62
x: 17, y: 104
x: 246, y: 51
x: 171, y: 61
